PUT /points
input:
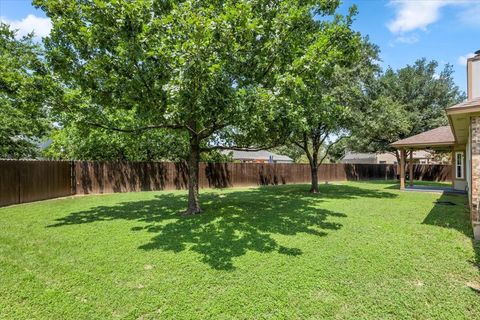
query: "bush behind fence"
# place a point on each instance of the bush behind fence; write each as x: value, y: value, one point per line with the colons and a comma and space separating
x: 26, y: 181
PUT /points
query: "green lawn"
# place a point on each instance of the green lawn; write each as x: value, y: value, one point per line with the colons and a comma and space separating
x: 355, y: 251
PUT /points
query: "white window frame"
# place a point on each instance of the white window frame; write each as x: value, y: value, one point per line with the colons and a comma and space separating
x: 461, y: 165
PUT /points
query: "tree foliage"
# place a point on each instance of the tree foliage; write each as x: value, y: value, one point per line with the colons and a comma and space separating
x: 403, y: 103
x: 207, y: 69
x: 25, y: 91
x: 80, y: 142
x: 324, y: 88
x: 86, y: 143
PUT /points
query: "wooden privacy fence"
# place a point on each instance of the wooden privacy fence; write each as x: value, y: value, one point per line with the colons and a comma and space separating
x: 108, y: 177
x: 26, y: 181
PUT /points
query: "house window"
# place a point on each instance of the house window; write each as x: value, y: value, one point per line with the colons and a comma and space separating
x: 459, y: 165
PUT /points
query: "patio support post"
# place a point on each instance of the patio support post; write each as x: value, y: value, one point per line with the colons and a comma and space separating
x: 454, y: 169
x: 410, y: 168
x: 402, y: 169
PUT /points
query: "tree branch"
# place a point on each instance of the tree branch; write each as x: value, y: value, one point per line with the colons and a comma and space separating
x: 236, y: 148
x: 329, y: 146
x: 298, y: 144
x: 132, y: 130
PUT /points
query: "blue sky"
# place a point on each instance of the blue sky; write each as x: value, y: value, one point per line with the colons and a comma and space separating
x: 405, y: 30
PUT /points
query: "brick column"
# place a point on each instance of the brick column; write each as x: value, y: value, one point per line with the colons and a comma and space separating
x: 475, y: 169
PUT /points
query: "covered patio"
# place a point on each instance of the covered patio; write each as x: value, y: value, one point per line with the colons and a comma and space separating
x: 438, y: 139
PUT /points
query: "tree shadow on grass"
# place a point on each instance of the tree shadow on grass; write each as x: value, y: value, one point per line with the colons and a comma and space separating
x: 233, y: 222
x: 451, y: 211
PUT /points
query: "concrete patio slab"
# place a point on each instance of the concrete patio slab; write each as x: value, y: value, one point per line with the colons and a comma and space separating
x: 435, y: 189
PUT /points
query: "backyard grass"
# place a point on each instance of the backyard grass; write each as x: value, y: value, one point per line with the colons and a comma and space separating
x: 355, y: 251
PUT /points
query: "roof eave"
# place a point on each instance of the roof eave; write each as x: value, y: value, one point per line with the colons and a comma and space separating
x: 423, y: 145
x: 461, y: 110
x: 450, y: 122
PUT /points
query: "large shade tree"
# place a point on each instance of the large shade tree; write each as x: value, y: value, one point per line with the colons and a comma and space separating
x: 25, y: 88
x: 205, y: 68
x: 404, y: 102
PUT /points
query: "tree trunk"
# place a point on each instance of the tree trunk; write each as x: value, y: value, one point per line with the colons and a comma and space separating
x: 314, y: 187
x: 314, y: 171
x: 193, y: 171
x: 397, y: 155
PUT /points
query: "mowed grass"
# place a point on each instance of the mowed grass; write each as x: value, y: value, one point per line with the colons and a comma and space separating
x: 354, y: 251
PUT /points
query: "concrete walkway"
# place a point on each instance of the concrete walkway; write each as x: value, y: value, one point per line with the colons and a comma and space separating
x: 434, y: 189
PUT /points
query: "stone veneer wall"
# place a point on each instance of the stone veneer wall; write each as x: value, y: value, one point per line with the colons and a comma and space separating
x: 475, y: 187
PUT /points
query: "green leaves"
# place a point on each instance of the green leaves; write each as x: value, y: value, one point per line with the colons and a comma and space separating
x: 25, y: 95
x: 323, y: 85
x: 86, y: 143
x: 207, y: 68
x: 405, y: 102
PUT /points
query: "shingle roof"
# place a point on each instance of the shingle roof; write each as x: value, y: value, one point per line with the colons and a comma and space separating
x: 359, y: 156
x: 467, y: 104
x: 257, y: 155
x: 438, y: 136
x: 421, y: 154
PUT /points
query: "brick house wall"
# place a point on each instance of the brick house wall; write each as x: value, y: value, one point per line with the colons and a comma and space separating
x: 475, y: 169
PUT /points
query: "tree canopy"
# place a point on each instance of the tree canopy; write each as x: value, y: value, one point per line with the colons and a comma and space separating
x: 403, y: 103
x: 25, y: 92
x: 324, y: 88
x: 208, y: 69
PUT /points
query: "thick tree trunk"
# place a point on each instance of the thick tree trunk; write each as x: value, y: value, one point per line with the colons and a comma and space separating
x: 193, y: 171
x: 314, y: 171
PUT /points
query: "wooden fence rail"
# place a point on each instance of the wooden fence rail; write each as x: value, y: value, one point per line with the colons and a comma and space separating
x: 26, y: 181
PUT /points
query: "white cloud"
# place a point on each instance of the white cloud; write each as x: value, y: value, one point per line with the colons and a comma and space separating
x: 40, y: 26
x: 462, y: 60
x: 418, y: 14
x: 407, y: 39
x: 411, y: 15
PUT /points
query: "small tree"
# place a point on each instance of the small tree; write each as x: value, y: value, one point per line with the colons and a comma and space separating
x: 205, y: 68
x: 324, y: 87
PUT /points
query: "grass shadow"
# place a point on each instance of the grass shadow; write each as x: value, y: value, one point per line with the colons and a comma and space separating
x: 233, y: 222
x: 445, y: 215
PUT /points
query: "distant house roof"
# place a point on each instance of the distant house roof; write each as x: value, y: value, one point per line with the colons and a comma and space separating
x: 421, y: 154
x: 257, y: 155
x: 441, y: 136
x: 364, y: 156
x: 359, y: 156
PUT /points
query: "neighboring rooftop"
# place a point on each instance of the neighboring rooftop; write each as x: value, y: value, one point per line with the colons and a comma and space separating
x: 441, y: 136
x: 359, y: 156
x: 263, y: 155
x: 421, y: 154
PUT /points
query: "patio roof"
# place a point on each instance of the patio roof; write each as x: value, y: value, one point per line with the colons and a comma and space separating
x: 435, y: 138
x: 472, y: 105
